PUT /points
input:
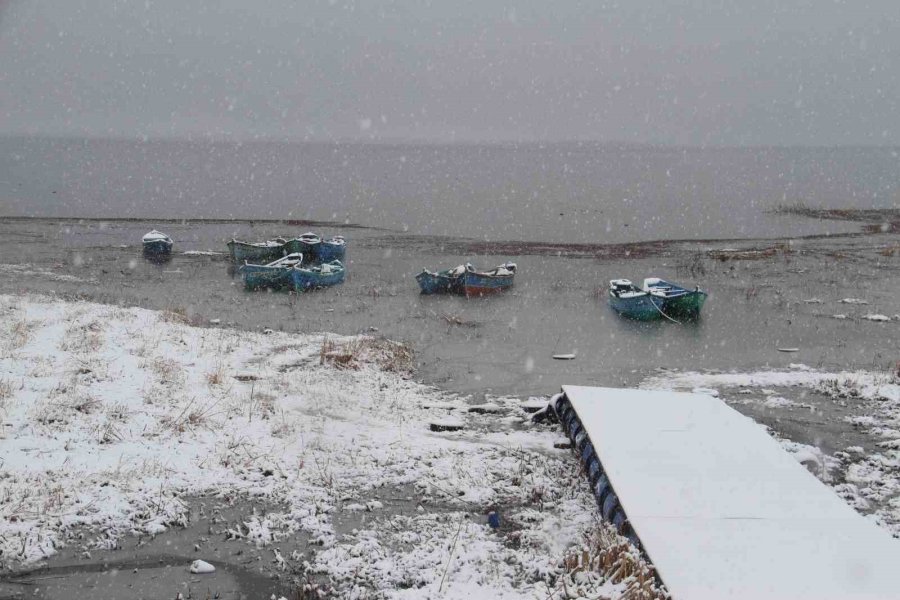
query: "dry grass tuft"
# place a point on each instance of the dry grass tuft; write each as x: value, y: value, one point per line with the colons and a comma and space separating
x: 357, y: 352
x: 6, y: 390
x: 168, y: 371
x: 191, y: 417
x: 217, y: 375
x: 181, y: 316
x: 691, y: 265
x: 19, y: 333
x: 84, y: 404
x: 175, y: 315
x: 83, y: 338
x: 608, y: 553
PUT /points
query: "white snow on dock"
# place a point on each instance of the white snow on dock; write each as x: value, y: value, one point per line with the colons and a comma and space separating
x: 722, y: 511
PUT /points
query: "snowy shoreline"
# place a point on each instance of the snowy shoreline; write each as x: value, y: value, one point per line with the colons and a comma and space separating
x: 112, y: 415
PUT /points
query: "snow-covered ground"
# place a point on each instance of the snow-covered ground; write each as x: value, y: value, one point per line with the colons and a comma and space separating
x: 868, y: 481
x: 110, y: 416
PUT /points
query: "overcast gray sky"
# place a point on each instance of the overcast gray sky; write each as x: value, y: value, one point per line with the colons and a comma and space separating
x: 781, y: 72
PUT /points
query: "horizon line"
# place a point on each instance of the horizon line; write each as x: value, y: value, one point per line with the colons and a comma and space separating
x: 401, y: 141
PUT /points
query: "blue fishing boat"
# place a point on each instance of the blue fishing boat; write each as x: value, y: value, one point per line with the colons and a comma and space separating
x: 482, y: 283
x: 449, y: 281
x: 275, y: 275
x: 307, y: 244
x: 311, y: 277
x: 257, y: 252
x: 157, y: 244
x: 331, y: 249
x: 656, y: 299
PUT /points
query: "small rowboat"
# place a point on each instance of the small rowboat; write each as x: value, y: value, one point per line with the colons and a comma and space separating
x: 258, y: 252
x: 156, y: 243
x: 274, y: 275
x: 307, y: 278
x: 449, y: 281
x: 331, y: 249
x: 656, y: 299
x: 307, y: 244
x: 482, y: 283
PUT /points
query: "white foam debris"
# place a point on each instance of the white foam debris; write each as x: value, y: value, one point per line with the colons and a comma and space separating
x: 202, y: 253
x: 813, y: 301
x: 130, y: 411
x: 779, y: 402
x: 27, y: 270
x: 839, y: 316
x: 202, y: 567
x: 853, y: 301
x: 708, y: 391
x: 876, y: 317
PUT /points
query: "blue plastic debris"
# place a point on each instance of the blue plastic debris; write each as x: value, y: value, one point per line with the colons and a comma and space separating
x: 493, y: 520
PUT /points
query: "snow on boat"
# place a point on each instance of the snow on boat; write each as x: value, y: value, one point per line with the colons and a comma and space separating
x: 257, y: 252
x: 449, y: 281
x: 156, y: 243
x: 656, y: 299
x: 275, y: 275
x: 311, y: 277
x: 721, y: 510
x: 482, y: 283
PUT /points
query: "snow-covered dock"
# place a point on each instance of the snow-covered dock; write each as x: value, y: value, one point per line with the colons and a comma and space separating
x: 720, y: 509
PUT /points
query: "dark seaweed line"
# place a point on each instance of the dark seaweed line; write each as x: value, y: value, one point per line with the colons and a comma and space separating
x: 470, y: 246
x: 463, y: 246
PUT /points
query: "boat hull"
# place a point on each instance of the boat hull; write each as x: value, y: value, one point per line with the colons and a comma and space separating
x: 303, y: 280
x: 310, y: 251
x: 242, y: 252
x: 327, y: 252
x: 476, y: 284
x: 639, y: 308
x: 261, y: 277
x: 686, y: 306
x: 650, y: 307
x: 158, y: 248
x: 439, y: 283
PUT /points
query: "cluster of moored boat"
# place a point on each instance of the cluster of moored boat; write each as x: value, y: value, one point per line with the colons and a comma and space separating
x: 309, y: 262
x: 302, y: 263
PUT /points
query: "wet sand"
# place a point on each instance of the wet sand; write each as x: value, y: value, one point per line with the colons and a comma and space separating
x: 781, y: 294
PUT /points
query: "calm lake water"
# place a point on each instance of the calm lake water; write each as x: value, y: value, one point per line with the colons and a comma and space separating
x: 583, y: 193
x: 430, y: 206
